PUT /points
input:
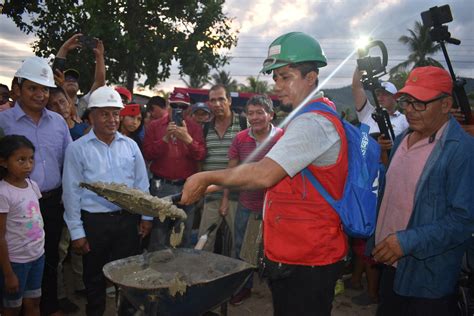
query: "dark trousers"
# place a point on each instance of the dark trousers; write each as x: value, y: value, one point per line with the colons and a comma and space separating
x: 160, y: 233
x: 305, y: 290
x: 52, y: 211
x: 111, y: 236
x: 392, y: 304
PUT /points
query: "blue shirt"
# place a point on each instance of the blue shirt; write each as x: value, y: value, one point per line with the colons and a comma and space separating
x: 50, y: 138
x: 88, y: 159
x: 442, y: 221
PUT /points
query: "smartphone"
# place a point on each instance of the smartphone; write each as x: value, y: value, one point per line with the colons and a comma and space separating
x: 177, y: 116
x: 59, y: 63
x: 88, y: 41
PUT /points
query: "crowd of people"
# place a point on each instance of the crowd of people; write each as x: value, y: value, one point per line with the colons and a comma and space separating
x: 245, y: 172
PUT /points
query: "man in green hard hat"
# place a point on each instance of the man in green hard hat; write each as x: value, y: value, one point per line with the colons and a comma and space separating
x: 303, y: 238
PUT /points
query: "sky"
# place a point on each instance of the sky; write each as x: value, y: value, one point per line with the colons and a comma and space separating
x: 337, y: 24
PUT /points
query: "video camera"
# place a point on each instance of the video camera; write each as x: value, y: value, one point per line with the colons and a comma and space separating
x: 434, y: 18
x: 373, y: 68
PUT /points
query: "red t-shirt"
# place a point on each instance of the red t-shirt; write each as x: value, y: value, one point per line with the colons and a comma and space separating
x: 242, y: 146
x: 173, y: 160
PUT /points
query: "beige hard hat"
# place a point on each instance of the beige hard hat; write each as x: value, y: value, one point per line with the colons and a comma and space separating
x: 36, y: 69
x: 105, y: 97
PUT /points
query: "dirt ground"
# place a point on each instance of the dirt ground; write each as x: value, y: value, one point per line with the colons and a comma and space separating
x: 259, y: 304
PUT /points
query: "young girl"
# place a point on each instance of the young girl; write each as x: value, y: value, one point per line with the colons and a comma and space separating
x: 21, y: 228
x: 131, y: 122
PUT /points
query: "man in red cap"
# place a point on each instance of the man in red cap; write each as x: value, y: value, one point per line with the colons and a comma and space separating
x: 174, y: 144
x: 426, y: 212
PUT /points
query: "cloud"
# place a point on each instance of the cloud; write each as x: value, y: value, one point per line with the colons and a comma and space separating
x: 335, y: 23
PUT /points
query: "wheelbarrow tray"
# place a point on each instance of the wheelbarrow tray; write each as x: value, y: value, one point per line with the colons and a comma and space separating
x: 149, y: 281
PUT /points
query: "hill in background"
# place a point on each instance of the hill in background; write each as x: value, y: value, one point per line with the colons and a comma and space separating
x: 342, y: 97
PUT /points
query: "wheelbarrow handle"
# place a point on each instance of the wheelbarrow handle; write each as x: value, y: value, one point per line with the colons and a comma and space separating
x: 175, y: 198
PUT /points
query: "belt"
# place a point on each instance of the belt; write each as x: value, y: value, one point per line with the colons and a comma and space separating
x: 168, y: 181
x: 52, y: 193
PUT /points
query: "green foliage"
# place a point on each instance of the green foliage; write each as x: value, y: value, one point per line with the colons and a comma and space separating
x: 141, y: 37
x: 256, y: 86
x: 224, y: 78
x: 420, y: 46
x: 399, y: 79
x: 196, y: 81
x: 16, y: 9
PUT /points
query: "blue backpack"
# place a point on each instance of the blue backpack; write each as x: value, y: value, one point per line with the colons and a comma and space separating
x: 357, y: 207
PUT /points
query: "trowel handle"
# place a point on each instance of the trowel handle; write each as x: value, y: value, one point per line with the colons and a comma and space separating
x: 176, y: 198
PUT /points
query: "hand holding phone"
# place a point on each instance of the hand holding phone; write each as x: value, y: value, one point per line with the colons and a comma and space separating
x: 88, y: 41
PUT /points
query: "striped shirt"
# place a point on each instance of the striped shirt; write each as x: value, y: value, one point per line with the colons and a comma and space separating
x: 217, y: 149
x: 242, y: 146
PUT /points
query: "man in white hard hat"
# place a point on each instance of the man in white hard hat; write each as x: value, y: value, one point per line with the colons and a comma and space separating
x: 49, y: 133
x: 100, y: 230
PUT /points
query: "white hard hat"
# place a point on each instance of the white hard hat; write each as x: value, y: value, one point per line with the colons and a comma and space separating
x: 105, y: 97
x: 389, y: 87
x: 36, y: 69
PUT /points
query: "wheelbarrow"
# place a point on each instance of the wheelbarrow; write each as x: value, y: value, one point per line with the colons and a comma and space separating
x: 177, y: 281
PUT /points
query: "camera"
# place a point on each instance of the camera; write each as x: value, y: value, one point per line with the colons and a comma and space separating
x: 88, y: 41
x: 372, y: 65
x: 436, y: 16
x: 177, y: 116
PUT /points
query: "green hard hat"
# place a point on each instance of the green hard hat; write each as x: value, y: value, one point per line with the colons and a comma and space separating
x: 293, y: 47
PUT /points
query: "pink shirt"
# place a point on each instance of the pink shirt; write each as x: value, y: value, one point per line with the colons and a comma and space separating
x: 24, y: 227
x: 401, y: 180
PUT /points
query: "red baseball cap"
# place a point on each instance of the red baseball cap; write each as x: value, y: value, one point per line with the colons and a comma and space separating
x: 179, y: 97
x: 130, y: 110
x: 426, y: 83
x: 125, y: 92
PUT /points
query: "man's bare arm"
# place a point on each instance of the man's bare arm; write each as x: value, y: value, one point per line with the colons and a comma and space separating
x: 99, y: 75
x: 252, y: 176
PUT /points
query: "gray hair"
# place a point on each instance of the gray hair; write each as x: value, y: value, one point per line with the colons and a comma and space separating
x: 262, y: 100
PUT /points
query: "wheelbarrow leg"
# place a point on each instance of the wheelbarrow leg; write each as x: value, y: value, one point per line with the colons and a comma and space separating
x: 224, y: 309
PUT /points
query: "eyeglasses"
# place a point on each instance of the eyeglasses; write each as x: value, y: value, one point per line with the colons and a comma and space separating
x: 181, y: 106
x: 417, y: 105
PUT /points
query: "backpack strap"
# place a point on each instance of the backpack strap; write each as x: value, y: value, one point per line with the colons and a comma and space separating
x: 323, y: 107
x: 319, y: 187
x: 317, y: 106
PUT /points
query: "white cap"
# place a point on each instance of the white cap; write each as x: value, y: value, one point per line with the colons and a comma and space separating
x: 105, y: 97
x: 389, y: 87
x: 36, y: 69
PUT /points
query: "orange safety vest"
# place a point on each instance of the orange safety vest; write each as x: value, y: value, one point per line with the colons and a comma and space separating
x: 299, y: 226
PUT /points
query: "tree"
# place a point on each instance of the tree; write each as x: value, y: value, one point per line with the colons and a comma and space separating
x: 196, y: 81
x: 399, y: 79
x: 256, y: 86
x: 420, y: 45
x: 222, y: 77
x: 140, y: 37
x: 16, y: 9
